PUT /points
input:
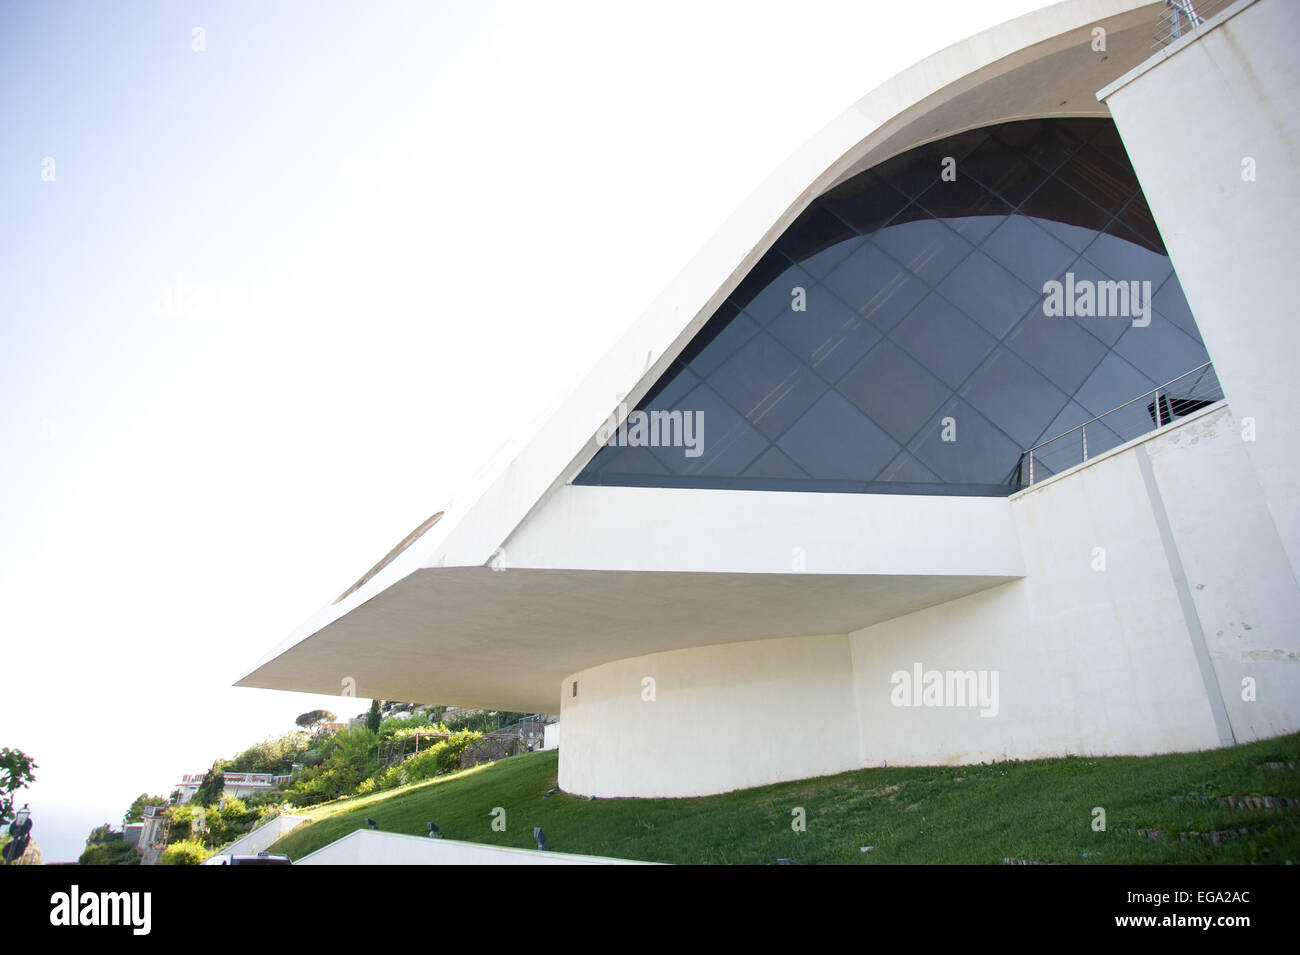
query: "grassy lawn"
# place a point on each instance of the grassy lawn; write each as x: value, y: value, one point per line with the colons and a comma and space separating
x: 1039, y: 810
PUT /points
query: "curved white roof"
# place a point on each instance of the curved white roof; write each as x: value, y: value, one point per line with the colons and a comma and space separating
x: 433, y: 622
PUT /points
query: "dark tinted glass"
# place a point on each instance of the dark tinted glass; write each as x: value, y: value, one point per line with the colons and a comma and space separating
x: 895, y: 338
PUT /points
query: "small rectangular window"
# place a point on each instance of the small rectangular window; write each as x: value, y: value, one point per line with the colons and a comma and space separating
x: 575, y: 687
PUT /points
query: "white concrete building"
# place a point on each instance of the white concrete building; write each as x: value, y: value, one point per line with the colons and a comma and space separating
x: 968, y: 437
x: 187, y: 787
x: 243, y: 785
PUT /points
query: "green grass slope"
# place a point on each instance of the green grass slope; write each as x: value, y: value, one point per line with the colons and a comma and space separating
x: 1040, y: 810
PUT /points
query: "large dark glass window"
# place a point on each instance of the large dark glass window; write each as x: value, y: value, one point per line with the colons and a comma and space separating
x: 923, y: 359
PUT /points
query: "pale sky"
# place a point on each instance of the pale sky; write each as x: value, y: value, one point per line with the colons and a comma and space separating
x: 265, y: 305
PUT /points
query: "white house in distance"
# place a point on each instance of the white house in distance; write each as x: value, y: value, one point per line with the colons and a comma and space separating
x: 242, y: 785
x: 234, y: 785
x: 972, y: 435
x: 187, y: 787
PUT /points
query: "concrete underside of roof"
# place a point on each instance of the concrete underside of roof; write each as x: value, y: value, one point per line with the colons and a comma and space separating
x: 472, y: 636
x: 605, y: 573
x: 1058, y: 76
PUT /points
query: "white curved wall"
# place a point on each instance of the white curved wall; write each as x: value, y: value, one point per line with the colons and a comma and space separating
x: 723, y: 717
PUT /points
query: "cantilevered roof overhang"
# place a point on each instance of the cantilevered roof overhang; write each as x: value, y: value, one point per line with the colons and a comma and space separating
x: 586, y: 574
x: 602, y: 573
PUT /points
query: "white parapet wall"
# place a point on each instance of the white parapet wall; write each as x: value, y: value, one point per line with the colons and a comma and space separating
x: 264, y: 836
x: 1213, y: 132
x: 1156, y: 584
x: 370, y: 847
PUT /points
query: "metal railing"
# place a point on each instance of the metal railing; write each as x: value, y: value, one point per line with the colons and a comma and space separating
x: 1182, y: 17
x: 1189, y: 392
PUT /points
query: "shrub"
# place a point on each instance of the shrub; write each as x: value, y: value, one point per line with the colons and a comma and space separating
x: 269, y: 810
x: 483, y: 720
x: 351, y: 759
x: 185, y: 852
x: 439, y: 759
x: 109, y: 853
x: 182, y: 821
x: 412, y: 727
x: 422, y: 722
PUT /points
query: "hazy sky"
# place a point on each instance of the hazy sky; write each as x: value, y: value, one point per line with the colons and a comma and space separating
x: 264, y: 305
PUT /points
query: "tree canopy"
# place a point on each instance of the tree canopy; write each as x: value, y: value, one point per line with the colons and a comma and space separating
x: 312, y: 719
x: 136, y: 812
x: 15, y: 774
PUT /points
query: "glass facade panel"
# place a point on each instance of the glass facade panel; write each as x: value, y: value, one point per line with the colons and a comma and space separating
x: 899, y: 337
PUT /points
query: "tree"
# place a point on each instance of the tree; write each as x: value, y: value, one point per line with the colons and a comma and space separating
x: 15, y: 773
x: 104, y: 833
x: 313, y: 719
x: 214, y: 782
x: 372, y: 717
x: 136, y: 812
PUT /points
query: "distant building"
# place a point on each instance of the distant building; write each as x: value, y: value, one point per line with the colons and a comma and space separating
x: 153, y: 834
x: 187, y: 787
x: 242, y: 785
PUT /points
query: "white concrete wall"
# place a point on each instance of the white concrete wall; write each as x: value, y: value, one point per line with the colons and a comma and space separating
x: 263, y: 836
x: 723, y: 717
x: 1133, y: 659
x: 369, y: 847
x: 697, y: 530
x: 1143, y: 656
x: 551, y: 736
x: 1245, y: 599
x: 1189, y: 117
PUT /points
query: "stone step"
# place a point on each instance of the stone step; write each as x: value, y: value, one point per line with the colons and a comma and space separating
x: 1215, y: 837
x: 1027, y: 862
x: 1244, y: 802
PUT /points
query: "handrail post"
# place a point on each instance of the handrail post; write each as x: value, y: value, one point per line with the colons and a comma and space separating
x: 1157, y: 414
